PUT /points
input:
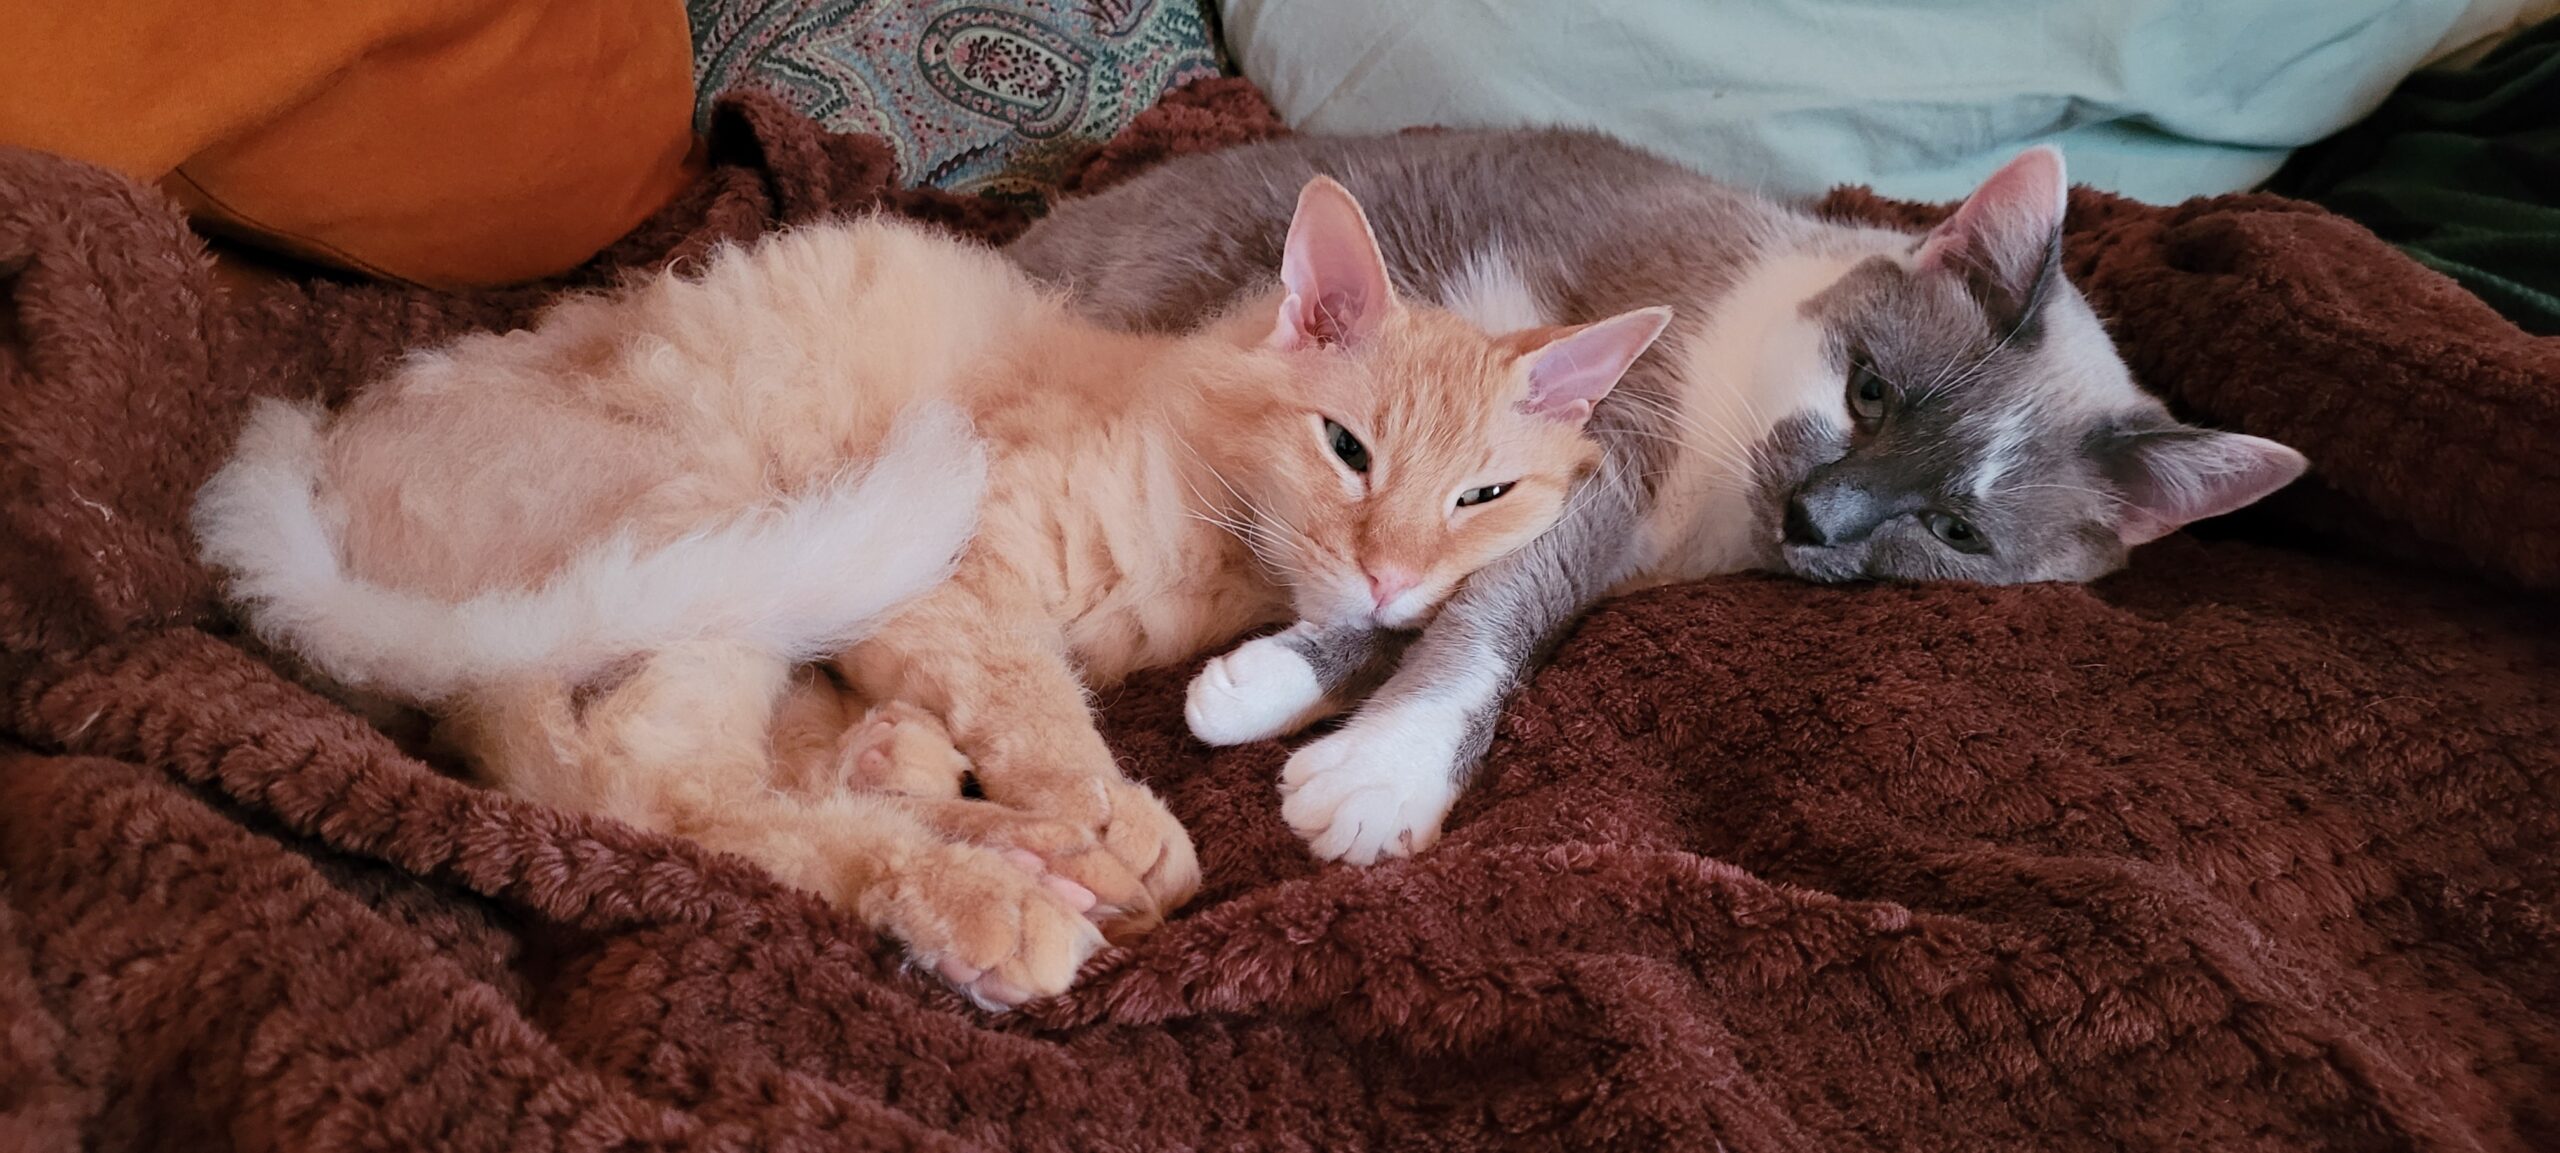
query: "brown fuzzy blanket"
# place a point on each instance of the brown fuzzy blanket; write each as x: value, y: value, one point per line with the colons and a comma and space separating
x: 2254, y: 846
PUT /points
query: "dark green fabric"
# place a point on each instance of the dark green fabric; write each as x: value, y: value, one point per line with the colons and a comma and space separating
x: 2461, y: 169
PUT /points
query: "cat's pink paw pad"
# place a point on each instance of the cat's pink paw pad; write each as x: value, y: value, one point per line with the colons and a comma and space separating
x: 899, y: 748
x: 1378, y: 789
x: 1263, y: 689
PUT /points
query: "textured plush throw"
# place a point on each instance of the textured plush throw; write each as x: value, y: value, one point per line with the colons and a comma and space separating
x: 2252, y: 847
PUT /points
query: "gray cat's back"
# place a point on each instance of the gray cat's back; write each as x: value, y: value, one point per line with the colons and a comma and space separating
x: 1589, y: 224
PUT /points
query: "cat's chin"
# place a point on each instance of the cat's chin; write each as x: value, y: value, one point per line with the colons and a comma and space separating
x: 1404, y: 619
x: 1398, y: 617
x: 1394, y: 622
x: 1821, y: 565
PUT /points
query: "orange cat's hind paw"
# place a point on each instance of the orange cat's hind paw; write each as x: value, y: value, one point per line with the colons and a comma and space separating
x: 1112, y: 836
x: 995, y: 924
x: 1113, y: 895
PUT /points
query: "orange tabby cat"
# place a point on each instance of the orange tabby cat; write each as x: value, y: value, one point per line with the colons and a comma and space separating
x: 603, y: 548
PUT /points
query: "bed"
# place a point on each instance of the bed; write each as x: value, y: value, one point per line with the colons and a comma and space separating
x: 2248, y: 847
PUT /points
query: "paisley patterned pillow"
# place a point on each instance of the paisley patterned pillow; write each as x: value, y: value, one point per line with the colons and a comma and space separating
x: 985, y: 96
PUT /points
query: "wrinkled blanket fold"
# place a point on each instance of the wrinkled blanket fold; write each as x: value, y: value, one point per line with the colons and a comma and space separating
x: 2249, y: 847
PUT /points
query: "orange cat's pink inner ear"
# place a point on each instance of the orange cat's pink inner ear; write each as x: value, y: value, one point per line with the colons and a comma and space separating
x: 1571, y: 369
x: 1334, y: 281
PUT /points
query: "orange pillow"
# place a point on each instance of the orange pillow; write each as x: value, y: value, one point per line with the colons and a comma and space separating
x: 446, y: 142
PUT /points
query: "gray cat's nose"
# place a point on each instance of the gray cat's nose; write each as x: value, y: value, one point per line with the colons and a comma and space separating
x: 1800, y: 528
x: 1829, y: 514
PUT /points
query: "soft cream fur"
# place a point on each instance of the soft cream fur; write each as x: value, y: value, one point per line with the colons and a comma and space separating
x: 600, y: 546
x: 901, y: 521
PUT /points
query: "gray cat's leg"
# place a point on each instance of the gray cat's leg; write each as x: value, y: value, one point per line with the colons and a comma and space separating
x: 1382, y: 785
x: 1276, y: 685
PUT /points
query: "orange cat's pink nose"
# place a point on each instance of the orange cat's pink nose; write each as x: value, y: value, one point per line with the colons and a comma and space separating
x: 1387, y: 582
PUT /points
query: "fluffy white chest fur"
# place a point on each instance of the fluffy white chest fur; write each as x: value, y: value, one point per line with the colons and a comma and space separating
x: 1757, y: 362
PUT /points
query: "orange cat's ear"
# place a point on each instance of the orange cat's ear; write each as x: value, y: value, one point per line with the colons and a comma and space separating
x: 1334, y: 280
x: 1570, y: 369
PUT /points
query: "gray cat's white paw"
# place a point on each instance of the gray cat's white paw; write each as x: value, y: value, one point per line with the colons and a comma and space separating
x: 1261, y: 690
x: 1379, y: 788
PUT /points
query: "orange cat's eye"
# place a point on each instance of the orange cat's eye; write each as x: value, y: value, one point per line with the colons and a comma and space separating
x: 1347, y: 447
x: 1477, y: 496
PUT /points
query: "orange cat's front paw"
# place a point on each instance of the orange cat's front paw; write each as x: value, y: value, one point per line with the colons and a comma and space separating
x: 994, y: 923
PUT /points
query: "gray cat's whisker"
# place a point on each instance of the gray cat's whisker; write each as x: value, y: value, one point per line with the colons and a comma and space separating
x: 1732, y: 453
x: 1980, y: 363
x: 1711, y: 453
x: 1751, y: 414
x: 1717, y: 429
x: 2073, y: 488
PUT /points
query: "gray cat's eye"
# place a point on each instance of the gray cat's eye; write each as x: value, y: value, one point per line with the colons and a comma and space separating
x: 1956, y: 532
x: 1869, y: 395
x: 1347, y: 446
x: 1476, y: 496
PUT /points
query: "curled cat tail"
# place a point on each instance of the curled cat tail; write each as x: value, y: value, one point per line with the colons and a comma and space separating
x: 802, y: 579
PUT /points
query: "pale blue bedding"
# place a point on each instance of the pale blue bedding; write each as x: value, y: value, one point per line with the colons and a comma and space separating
x: 2158, y: 99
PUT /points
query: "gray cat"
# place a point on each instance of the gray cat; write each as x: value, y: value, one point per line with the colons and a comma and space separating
x: 1836, y: 402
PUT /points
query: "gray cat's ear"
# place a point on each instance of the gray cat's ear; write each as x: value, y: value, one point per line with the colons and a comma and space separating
x: 1571, y: 369
x: 2178, y: 476
x: 1334, y: 280
x: 2005, y: 240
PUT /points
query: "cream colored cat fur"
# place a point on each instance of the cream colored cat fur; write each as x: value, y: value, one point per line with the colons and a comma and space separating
x: 602, y: 549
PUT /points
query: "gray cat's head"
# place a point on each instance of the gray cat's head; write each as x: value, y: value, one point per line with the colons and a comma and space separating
x: 1965, y: 416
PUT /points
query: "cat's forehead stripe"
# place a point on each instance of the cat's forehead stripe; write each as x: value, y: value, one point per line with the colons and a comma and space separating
x: 2005, y: 439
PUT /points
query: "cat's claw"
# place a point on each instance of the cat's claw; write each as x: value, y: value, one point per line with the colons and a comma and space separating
x: 1138, y: 830
x: 1112, y: 838
x: 1378, y: 789
x: 1073, y: 859
x: 1262, y: 689
x: 1077, y: 897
